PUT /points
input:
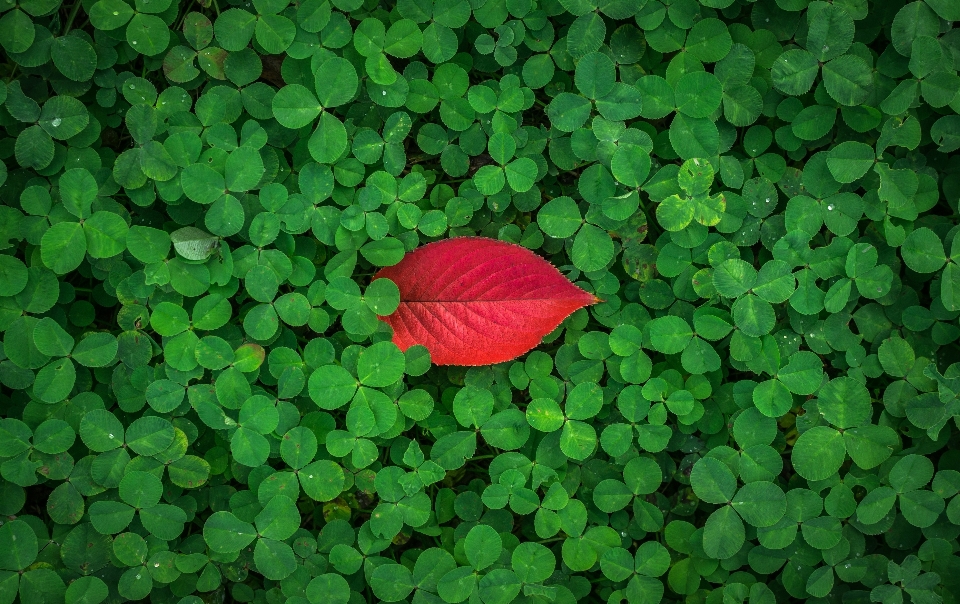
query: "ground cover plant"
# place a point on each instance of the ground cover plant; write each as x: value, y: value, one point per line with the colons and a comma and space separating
x: 355, y: 301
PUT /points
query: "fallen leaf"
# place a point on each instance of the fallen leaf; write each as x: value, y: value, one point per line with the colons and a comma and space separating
x: 478, y: 301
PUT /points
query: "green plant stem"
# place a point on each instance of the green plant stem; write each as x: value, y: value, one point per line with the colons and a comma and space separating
x: 73, y: 15
x: 186, y: 11
x: 652, y: 227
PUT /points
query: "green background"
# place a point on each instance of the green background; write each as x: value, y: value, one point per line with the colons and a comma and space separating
x: 200, y: 404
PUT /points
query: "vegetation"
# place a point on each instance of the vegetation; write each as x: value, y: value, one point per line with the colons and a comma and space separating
x: 202, y: 399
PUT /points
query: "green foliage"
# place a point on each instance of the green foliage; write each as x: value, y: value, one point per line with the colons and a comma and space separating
x: 200, y: 403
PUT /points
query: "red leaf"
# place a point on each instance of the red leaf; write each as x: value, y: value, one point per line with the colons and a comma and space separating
x: 478, y: 301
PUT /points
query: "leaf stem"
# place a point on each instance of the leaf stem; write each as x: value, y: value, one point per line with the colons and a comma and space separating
x: 183, y: 16
x: 651, y: 220
x: 73, y: 15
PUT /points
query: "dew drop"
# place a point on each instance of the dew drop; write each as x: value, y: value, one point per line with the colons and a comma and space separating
x: 110, y: 435
x: 830, y: 208
x: 134, y: 43
x: 767, y: 20
x: 384, y: 93
x: 768, y: 200
x: 826, y: 48
x: 56, y: 122
x: 156, y: 565
x: 115, y: 13
x: 879, y: 289
x: 138, y: 577
x: 311, y: 476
